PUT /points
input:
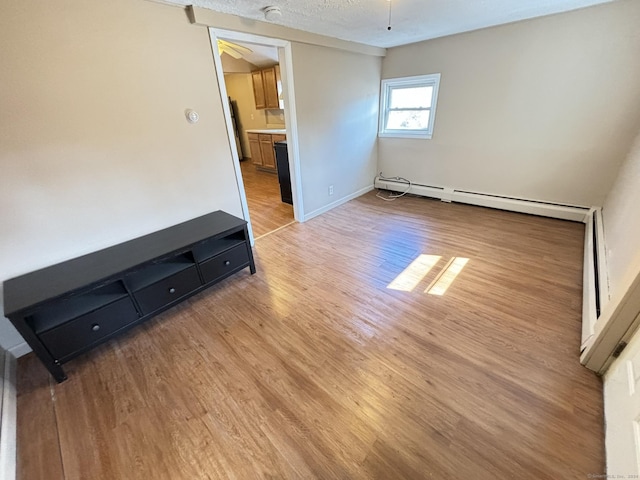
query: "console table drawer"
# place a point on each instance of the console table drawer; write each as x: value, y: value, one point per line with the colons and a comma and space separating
x: 76, y: 334
x: 224, y: 263
x: 168, y: 290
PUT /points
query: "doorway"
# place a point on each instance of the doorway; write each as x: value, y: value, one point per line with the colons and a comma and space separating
x: 256, y: 84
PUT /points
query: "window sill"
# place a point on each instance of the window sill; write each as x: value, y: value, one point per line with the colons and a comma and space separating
x: 421, y: 135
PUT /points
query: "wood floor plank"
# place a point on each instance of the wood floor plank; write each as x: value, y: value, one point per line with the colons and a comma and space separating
x: 313, y: 368
x: 266, y: 209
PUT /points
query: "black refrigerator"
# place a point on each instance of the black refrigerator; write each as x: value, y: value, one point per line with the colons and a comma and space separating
x: 233, y: 108
x: 284, y: 174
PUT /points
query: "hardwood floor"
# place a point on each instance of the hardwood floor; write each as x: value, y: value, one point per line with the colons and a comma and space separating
x: 313, y: 368
x: 266, y: 209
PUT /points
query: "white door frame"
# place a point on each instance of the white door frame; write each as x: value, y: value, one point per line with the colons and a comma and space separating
x: 286, y: 72
x: 621, y: 413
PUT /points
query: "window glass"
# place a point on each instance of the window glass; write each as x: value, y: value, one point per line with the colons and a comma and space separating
x: 411, y: 97
x: 408, y: 106
x: 408, y: 119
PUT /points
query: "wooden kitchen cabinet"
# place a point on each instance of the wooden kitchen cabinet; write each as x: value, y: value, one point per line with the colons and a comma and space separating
x: 270, y: 87
x: 262, y: 154
x: 254, y: 145
x: 265, y: 87
x: 276, y: 68
x: 268, y: 155
x: 258, y: 89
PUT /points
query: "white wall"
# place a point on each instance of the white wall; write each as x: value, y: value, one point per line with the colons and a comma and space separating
x: 621, y: 220
x: 543, y: 109
x: 337, y: 108
x: 94, y: 145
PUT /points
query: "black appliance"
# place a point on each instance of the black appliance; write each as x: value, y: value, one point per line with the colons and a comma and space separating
x: 233, y: 108
x: 284, y: 174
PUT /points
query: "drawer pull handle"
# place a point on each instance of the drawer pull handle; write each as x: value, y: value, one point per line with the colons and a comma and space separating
x: 95, y: 327
x: 227, y: 262
x: 172, y: 290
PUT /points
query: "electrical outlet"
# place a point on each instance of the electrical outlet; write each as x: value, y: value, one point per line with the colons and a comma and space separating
x: 330, y: 189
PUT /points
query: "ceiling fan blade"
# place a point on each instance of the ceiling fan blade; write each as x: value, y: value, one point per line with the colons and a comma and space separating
x: 229, y: 46
x: 233, y: 53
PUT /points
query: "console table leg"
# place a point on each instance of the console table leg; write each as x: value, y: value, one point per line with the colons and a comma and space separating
x: 57, y: 372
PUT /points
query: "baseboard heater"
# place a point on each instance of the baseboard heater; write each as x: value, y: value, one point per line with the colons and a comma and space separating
x: 595, y: 285
x: 596, y: 270
x: 533, y: 207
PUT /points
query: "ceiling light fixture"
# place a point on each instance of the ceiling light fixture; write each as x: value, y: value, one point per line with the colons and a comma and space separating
x: 272, y: 13
x: 389, y: 26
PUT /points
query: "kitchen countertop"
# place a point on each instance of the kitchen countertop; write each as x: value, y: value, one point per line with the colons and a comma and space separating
x: 274, y: 131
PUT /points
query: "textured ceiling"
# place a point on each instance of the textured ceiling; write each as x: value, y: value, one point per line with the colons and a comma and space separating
x: 365, y: 21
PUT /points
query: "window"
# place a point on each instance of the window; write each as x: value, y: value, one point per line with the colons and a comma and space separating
x: 408, y: 106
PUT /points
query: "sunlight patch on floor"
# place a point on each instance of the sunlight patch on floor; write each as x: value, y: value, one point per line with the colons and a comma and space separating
x: 443, y: 281
x: 411, y: 276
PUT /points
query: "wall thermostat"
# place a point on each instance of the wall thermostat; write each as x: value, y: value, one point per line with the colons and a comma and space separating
x: 192, y: 116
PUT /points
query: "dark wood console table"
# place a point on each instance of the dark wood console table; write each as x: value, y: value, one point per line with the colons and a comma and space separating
x: 68, y: 308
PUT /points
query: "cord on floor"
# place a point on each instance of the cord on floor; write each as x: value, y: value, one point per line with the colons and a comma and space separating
x: 391, y: 196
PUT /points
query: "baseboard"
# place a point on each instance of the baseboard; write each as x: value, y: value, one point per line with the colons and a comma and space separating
x: 20, y: 350
x: 565, y: 212
x: 337, y: 203
x: 8, y: 419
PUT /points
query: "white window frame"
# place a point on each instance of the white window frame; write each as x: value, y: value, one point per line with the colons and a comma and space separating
x: 431, y: 80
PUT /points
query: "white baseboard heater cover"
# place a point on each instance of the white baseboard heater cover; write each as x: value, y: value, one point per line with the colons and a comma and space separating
x: 533, y: 207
